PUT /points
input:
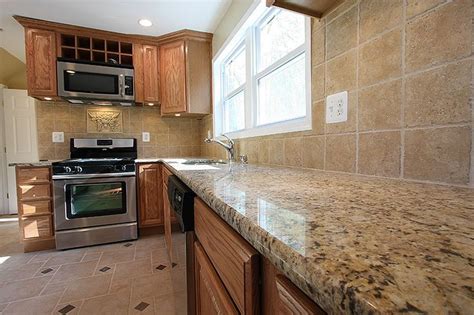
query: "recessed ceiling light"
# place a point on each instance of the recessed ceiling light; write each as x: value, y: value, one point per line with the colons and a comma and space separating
x: 48, y: 98
x: 145, y: 22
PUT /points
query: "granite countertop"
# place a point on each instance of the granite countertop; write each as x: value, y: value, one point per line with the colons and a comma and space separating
x: 354, y: 244
x: 33, y: 164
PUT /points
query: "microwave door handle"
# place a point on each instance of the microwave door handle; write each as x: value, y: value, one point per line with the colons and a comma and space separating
x: 122, y: 85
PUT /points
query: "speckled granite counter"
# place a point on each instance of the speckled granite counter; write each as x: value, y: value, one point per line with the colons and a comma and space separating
x: 33, y: 164
x: 354, y: 244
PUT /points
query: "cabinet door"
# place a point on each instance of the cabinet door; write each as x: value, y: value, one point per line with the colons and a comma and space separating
x: 173, y: 78
x: 40, y: 62
x: 138, y: 72
x: 150, y: 74
x: 150, y: 195
x: 211, y: 295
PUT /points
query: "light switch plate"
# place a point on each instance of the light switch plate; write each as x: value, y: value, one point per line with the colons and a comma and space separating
x: 58, y: 136
x: 145, y: 136
x: 336, y: 108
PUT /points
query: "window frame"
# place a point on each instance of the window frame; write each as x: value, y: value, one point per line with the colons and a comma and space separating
x: 246, y: 34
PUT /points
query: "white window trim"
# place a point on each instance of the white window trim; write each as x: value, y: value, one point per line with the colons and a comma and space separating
x: 235, y: 40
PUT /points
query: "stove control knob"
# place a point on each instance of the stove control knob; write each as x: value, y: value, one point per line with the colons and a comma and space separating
x: 67, y: 169
x: 122, y: 168
x: 78, y: 169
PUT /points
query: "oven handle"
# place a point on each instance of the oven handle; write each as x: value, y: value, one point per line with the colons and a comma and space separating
x: 86, y: 176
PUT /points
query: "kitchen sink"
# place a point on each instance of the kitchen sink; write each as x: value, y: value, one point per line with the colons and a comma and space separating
x: 205, y: 162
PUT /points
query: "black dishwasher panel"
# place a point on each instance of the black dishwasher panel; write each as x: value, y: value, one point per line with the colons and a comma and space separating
x: 181, y: 200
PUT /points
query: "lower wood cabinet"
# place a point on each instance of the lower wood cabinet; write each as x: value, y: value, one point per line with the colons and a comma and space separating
x: 211, y: 295
x: 150, y: 195
x: 35, y: 207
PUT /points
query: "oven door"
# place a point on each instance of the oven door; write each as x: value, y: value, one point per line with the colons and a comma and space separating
x: 86, y: 202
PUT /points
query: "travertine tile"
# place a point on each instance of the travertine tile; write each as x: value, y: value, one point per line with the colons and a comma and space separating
x: 381, y: 59
x: 293, y: 152
x: 342, y: 33
x: 262, y: 152
x: 36, y: 305
x: 341, y: 73
x: 415, y: 7
x: 438, y: 154
x: 86, y: 288
x: 318, y: 81
x: 318, y: 117
x: 313, y: 152
x: 350, y: 124
x: 318, y: 46
x: 159, y: 283
x: 379, y: 153
x: 341, y: 153
x: 275, y: 151
x: 106, y: 304
x: 380, y: 106
x: 442, y: 35
x: 66, y: 257
x: 73, y: 307
x: 132, y: 269
x: 74, y: 271
x: 338, y: 10
x: 440, y: 96
x: 377, y: 16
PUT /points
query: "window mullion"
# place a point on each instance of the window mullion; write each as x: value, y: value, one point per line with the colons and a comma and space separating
x: 249, y: 74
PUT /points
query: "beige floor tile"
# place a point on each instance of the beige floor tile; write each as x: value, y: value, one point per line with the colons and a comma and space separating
x: 22, y: 289
x: 104, y: 269
x: 91, y: 256
x: 74, y: 271
x: 113, y: 304
x: 19, y: 272
x: 42, y: 256
x: 110, y: 247
x: 47, y: 271
x: 36, y: 305
x: 133, y: 269
x: 121, y: 286
x: 156, y: 285
x: 53, y: 288
x: 117, y: 256
x: 169, y: 304
x: 143, y: 253
x: 74, y: 311
x: 160, y: 256
x: 67, y: 257
x: 87, y: 288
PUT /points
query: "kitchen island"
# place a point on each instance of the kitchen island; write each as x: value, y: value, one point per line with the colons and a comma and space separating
x: 353, y: 244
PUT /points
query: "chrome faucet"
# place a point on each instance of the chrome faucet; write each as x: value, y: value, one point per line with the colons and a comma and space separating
x: 229, y: 146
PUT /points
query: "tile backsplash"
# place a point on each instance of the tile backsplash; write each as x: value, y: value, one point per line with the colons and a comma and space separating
x: 169, y: 137
x: 408, y: 68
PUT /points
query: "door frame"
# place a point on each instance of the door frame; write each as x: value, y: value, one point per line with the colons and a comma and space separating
x: 3, y: 159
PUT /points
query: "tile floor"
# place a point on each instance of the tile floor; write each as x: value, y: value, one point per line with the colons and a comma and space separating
x: 122, y: 278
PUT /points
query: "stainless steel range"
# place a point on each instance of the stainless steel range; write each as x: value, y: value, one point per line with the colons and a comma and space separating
x: 95, y: 193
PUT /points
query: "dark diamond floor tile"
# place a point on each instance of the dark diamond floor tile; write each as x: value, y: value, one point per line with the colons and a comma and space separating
x: 161, y: 267
x: 66, y: 309
x: 142, y: 306
x: 104, y: 269
x: 173, y: 265
x: 46, y: 271
x: 128, y: 245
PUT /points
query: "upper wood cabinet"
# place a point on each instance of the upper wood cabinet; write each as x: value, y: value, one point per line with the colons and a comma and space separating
x: 315, y: 8
x: 147, y: 78
x: 150, y: 202
x: 185, y: 68
x: 40, y: 48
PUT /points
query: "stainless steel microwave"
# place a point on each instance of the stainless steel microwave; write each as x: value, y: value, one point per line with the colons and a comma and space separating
x: 87, y: 83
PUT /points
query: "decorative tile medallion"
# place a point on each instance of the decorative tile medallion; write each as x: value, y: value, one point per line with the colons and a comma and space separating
x: 104, y: 121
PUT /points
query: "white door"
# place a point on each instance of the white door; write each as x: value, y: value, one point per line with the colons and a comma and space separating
x: 20, y: 135
x: 3, y: 160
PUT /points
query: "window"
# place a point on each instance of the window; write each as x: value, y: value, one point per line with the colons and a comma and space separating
x: 262, y: 75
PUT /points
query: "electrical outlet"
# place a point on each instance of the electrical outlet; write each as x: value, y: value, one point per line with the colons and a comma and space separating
x: 336, y: 108
x: 58, y: 136
x: 145, y: 136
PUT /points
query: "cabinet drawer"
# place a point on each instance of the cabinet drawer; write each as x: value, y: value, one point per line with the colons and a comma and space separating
x: 31, y: 175
x: 35, y: 207
x: 37, y: 227
x: 31, y: 191
x: 291, y: 300
x: 235, y: 260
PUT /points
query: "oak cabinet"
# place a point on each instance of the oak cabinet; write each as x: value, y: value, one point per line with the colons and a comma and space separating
x: 235, y: 261
x: 150, y: 202
x: 185, y: 75
x: 315, y: 8
x: 211, y: 295
x: 35, y: 207
x: 40, y: 46
x: 146, y: 74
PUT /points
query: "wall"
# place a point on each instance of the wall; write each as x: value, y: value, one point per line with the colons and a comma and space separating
x: 12, y: 71
x: 408, y: 68
x: 233, y: 15
x: 170, y: 137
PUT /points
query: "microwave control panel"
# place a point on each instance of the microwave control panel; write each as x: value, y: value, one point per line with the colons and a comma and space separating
x: 129, y: 85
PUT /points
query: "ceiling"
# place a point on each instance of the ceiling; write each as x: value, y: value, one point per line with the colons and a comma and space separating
x: 111, y: 15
